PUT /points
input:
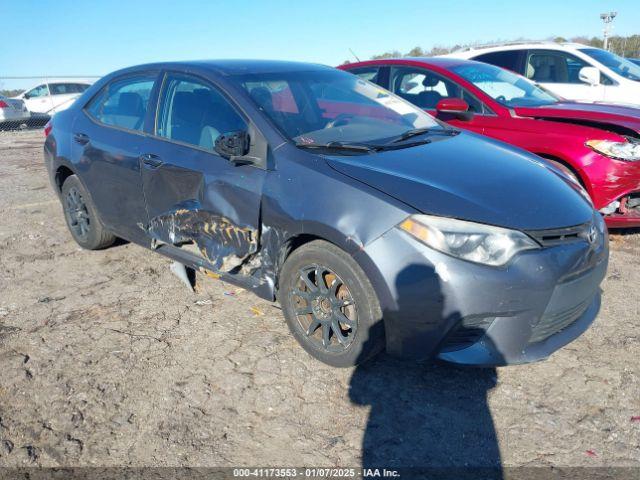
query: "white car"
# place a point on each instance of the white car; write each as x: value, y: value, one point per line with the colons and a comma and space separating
x: 570, y: 70
x: 51, y: 97
x: 13, y: 112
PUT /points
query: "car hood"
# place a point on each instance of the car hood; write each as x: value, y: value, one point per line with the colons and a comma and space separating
x: 625, y: 115
x: 472, y: 178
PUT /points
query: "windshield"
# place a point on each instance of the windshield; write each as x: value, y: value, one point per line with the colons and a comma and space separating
x: 621, y: 66
x: 332, y: 106
x: 504, y: 86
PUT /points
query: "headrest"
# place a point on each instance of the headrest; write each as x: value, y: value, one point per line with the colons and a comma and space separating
x: 263, y: 97
x: 130, y: 103
x: 430, y: 81
x: 187, y: 106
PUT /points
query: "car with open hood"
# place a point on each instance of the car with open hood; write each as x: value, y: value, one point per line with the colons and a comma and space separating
x: 598, y: 145
x: 373, y: 224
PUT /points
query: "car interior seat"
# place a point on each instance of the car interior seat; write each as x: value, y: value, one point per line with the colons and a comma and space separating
x: 540, y: 68
x: 207, y: 126
x: 263, y: 98
x: 429, y: 98
x: 531, y: 71
x: 185, y: 123
x: 548, y: 68
x: 129, y: 113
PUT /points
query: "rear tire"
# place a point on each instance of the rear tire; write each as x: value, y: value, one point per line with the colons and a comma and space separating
x: 330, y: 305
x: 82, y: 218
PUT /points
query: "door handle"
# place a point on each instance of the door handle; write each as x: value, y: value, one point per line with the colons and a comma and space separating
x: 151, y: 160
x: 81, y: 138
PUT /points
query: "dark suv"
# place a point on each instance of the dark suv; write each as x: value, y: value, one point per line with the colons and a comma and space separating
x: 372, y: 223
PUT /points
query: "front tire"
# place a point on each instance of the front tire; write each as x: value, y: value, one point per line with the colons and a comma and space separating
x: 330, y: 305
x: 82, y: 218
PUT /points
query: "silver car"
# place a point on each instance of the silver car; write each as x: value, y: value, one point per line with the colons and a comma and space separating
x: 13, y: 112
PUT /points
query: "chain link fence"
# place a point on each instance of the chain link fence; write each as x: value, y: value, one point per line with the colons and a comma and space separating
x: 29, y: 102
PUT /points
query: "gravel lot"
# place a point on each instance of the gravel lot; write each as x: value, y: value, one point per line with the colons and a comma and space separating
x: 106, y: 359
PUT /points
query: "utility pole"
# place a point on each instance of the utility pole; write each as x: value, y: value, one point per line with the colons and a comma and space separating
x: 607, y: 18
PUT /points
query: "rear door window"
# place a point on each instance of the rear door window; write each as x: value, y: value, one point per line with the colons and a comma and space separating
x: 123, y: 103
x: 67, y: 88
x: 79, y: 87
x: 509, y: 59
x: 63, y: 88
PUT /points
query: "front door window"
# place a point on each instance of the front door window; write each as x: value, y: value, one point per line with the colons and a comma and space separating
x: 425, y: 88
x: 194, y: 113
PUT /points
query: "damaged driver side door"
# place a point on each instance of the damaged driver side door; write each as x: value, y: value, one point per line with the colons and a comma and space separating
x: 197, y: 199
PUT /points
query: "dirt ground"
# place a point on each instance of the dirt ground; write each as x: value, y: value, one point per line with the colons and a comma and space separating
x: 107, y: 360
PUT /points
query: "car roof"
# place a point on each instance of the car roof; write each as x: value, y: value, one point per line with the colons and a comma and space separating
x: 442, y: 62
x: 71, y: 80
x: 53, y: 81
x: 477, y: 50
x: 230, y: 67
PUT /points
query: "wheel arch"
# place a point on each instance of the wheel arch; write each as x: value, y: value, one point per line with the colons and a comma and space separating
x: 285, y: 250
x: 360, y: 256
x: 61, y: 174
x: 564, y: 163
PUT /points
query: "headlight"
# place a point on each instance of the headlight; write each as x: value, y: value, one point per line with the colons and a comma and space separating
x: 629, y: 151
x: 470, y: 241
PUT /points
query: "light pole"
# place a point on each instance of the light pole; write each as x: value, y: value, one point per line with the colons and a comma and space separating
x: 607, y: 18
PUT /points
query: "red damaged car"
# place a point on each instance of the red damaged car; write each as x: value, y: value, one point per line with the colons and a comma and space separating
x: 596, y: 144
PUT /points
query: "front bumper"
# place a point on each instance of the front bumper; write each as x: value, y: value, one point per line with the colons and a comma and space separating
x: 612, y: 180
x: 626, y: 216
x: 520, y: 313
x: 631, y: 220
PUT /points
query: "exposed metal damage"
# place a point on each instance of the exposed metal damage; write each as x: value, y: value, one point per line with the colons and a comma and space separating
x: 224, y: 245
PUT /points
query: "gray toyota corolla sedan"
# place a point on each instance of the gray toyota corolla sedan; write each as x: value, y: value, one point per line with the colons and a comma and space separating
x: 374, y: 225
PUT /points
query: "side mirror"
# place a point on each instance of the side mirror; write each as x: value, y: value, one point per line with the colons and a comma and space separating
x: 232, y: 144
x: 455, y: 108
x: 26, y: 96
x: 589, y: 75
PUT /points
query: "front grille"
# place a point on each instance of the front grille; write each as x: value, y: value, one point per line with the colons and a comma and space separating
x: 467, y: 332
x: 552, y: 323
x: 557, y: 236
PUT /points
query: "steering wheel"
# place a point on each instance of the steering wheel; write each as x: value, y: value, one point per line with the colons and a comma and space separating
x: 340, y: 120
x: 501, y: 99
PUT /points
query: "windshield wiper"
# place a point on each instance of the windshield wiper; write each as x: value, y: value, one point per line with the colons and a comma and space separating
x: 335, y: 145
x: 420, y: 131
